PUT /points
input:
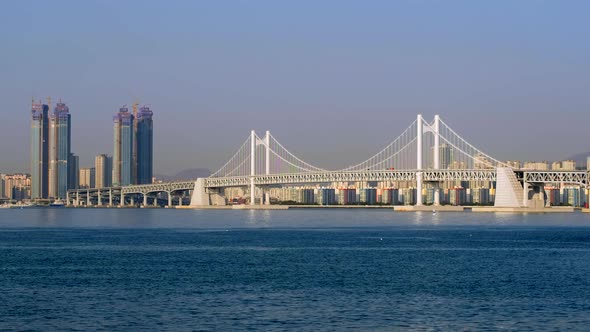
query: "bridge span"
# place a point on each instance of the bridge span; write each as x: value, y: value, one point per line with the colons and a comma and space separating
x: 425, y: 153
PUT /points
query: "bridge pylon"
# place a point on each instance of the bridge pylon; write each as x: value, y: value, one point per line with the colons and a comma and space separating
x: 419, y: 133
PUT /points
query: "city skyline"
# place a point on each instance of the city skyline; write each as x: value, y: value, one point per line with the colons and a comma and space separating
x: 512, y: 83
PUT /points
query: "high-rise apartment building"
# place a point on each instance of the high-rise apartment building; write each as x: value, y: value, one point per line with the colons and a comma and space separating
x: 103, y: 166
x: 87, y: 177
x: 2, y: 191
x: 513, y: 163
x: 565, y: 165
x: 144, y: 144
x: 445, y: 154
x: 39, y: 150
x: 536, y: 165
x: 17, y: 186
x: 123, y: 148
x: 59, y: 150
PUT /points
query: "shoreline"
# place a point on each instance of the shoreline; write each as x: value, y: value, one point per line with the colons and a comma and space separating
x: 395, y: 208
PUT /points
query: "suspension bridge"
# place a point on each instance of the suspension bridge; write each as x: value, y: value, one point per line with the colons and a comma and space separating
x: 424, y: 153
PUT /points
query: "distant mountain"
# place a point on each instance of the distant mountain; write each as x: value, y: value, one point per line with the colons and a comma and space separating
x: 580, y: 159
x: 187, y: 174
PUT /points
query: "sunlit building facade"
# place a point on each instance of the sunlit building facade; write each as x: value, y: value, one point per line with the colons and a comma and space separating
x: 59, y: 150
x: 39, y: 150
x: 123, y: 148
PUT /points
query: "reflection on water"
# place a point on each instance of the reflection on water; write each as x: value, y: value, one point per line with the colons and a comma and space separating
x: 172, y: 218
x: 258, y: 218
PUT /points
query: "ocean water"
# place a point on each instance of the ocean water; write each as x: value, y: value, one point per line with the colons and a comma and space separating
x: 313, y: 270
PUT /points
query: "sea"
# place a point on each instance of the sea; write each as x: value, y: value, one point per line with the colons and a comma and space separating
x: 65, y: 269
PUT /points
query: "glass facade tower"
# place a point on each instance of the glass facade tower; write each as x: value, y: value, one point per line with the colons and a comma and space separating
x: 39, y: 150
x: 144, y: 144
x: 59, y: 150
x: 123, y: 148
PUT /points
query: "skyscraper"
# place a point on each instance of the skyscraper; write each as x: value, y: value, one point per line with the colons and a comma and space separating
x: 59, y: 150
x: 39, y: 150
x: 103, y: 165
x: 144, y: 143
x: 123, y: 148
x: 73, y: 169
x: 445, y: 153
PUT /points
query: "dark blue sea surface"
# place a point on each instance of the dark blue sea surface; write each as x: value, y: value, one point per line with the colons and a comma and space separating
x: 375, y: 270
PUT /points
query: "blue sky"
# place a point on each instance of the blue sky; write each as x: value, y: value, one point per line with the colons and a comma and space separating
x: 333, y: 80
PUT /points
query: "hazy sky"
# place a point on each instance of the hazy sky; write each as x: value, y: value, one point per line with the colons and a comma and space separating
x: 333, y: 80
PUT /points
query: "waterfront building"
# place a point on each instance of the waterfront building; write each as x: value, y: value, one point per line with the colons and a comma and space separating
x: 565, y: 165
x: 73, y: 171
x: 87, y: 177
x: 306, y: 196
x: 480, y: 196
x: 536, y: 165
x: 429, y: 193
x: 144, y: 144
x: 553, y: 196
x: 39, y: 150
x: 407, y: 196
x: 513, y: 163
x: 59, y: 150
x: 370, y: 196
x: 445, y: 156
x: 2, y: 191
x: 572, y: 196
x: 482, y: 162
x: 103, y: 165
x: 390, y: 196
x: 17, y: 186
x: 457, y: 196
x: 346, y: 196
x: 327, y: 197
x: 123, y: 148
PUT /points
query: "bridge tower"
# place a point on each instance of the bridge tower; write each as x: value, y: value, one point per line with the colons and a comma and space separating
x: 252, y: 167
x: 419, y: 132
x: 436, y: 157
x: 266, y: 196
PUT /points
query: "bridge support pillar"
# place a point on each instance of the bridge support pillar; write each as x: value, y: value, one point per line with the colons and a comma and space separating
x: 77, y: 197
x: 122, y: 202
x: 155, y: 202
x: 266, y: 196
x: 252, y: 167
x: 99, y: 198
x: 180, y: 199
x: 436, y: 194
x: 199, y: 196
x: 132, y: 201
x: 110, y: 197
x: 525, y: 196
x: 88, y: 202
x: 145, y: 200
x: 169, y: 199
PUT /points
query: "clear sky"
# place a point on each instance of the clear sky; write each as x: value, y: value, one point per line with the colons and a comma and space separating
x: 333, y: 80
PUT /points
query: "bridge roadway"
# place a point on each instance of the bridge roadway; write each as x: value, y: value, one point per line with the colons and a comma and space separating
x: 428, y: 175
x: 353, y: 176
